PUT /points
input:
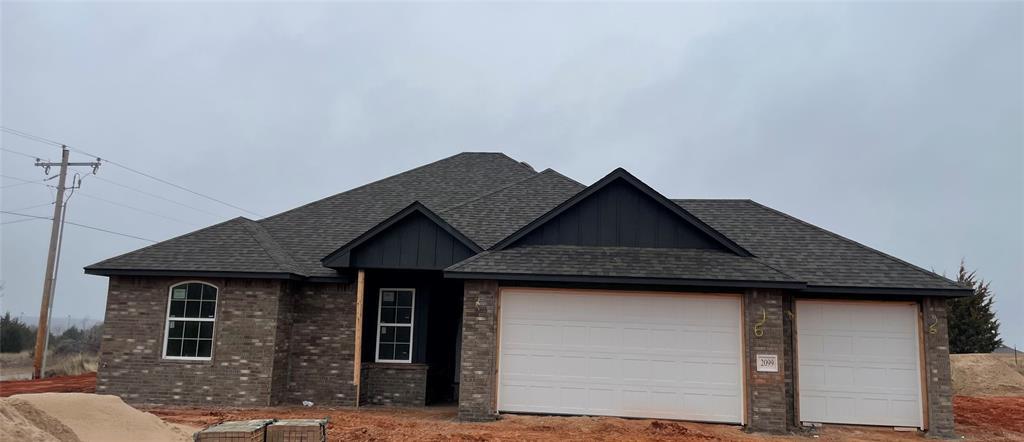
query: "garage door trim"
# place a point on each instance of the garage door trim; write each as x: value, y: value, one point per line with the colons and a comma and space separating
x: 741, y: 335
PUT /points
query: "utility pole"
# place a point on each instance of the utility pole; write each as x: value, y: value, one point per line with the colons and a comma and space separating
x: 49, y: 279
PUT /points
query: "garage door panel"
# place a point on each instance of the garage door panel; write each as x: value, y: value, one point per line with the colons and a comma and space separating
x: 621, y: 354
x: 858, y: 363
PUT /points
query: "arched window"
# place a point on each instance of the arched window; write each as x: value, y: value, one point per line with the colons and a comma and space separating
x: 191, y: 312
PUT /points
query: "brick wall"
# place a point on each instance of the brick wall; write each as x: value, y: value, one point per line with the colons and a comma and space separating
x: 322, y: 347
x: 938, y: 380
x: 393, y: 384
x: 479, y: 351
x: 766, y: 391
x: 245, y: 335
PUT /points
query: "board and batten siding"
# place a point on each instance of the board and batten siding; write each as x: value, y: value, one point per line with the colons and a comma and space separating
x: 620, y: 215
x: 415, y: 242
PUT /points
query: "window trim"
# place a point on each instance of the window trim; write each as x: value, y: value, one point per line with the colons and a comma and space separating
x: 411, y: 325
x: 167, y: 323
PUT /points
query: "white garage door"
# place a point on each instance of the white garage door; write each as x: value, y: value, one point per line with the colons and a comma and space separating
x: 859, y: 363
x: 633, y: 354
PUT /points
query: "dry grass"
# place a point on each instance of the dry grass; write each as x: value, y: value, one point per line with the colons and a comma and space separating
x: 19, y: 365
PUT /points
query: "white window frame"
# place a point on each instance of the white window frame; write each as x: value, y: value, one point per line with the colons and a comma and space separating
x: 412, y: 321
x: 168, y: 319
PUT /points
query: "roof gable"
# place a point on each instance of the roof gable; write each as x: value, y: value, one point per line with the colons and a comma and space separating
x: 413, y: 238
x: 621, y: 211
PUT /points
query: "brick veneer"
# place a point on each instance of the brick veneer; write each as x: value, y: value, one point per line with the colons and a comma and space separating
x: 245, y: 335
x: 393, y: 384
x: 323, y: 345
x: 477, y: 382
x: 766, y: 391
x: 938, y: 380
x: 274, y: 342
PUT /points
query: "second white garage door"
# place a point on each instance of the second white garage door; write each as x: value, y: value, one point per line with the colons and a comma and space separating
x: 633, y: 354
x: 859, y: 363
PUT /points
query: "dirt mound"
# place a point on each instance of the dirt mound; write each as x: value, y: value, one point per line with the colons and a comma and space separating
x: 103, y: 418
x: 985, y: 375
x: 21, y: 421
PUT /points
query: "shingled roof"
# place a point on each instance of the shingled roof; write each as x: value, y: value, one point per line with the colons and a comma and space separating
x: 489, y: 196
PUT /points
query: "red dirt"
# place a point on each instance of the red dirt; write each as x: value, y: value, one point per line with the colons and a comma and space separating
x: 998, y: 418
x: 977, y: 418
x: 83, y: 383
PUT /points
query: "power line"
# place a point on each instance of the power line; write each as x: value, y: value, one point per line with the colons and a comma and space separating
x: 80, y: 225
x: 32, y: 207
x: 34, y: 157
x: 126, y: 206
x: 18, y: 221
x: 31, y: 137
x: 115, y: 163
x: 153, y: 195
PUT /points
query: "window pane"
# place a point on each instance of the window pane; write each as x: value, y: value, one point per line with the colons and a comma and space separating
x: 404, y: 315
x: 175, y: 329
x: 174, y: 347
x: 188, y: 347
x: 209, y: 293
x: 206, y: 330
x: 178, y: 292
x: 177, y: 309
x: 192, y: 309
x: 402, y: 352
x: 207, y: 310
x: 195, y: 291
x: 387, y: 351
x: 387, y: 315
x: 387, y: 297
x: 205, y: 346
x: 191, y: 329
x: 402, y: 334
x: 404, y: 299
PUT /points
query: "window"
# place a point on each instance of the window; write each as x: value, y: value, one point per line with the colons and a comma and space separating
x: 191, y: 311
x: 394, y: 325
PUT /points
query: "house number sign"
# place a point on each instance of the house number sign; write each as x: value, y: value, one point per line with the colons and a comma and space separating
x: 768, y: 363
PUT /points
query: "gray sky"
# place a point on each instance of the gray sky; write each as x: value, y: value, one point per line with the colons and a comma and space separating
x: 900, y: 126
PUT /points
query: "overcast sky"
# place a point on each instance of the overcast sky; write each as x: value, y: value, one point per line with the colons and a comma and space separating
x: 899, y: 126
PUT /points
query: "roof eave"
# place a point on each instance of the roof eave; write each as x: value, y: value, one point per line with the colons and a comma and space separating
x: 199, y: 273
x: 951, y: 292
x: 628, y: 280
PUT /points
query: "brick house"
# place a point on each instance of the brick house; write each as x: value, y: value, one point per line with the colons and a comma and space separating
x: 478, y: 280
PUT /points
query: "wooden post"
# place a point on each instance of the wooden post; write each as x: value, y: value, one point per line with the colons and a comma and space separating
x: 358, y: 359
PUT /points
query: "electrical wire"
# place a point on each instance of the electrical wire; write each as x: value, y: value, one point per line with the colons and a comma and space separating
x: 31, y: 137
x: 123, y: 166
x: 126, y: 206
x: 82, y: 226
x: 19, y: 153
x: 153, y: 195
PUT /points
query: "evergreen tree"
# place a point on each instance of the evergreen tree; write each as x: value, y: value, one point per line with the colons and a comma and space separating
x: 15, y: 335
x: 973, y: 327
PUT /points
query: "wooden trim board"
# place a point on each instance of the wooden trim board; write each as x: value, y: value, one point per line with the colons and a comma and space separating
x: 357, y: 362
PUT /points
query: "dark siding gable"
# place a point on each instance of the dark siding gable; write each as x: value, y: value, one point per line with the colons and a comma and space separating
x: 415, y: 242
x: 620, y: 215
x: 413, y: 238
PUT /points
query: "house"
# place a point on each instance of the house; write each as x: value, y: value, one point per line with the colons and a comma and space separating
x: 479, y: 280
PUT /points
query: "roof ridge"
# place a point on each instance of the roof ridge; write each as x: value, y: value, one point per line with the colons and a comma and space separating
x: 710, y: 199
x: 271, y: 246
x: 535, y: 175
x: 389, y: 177
x: 183, y: 235
x: 855, y: 243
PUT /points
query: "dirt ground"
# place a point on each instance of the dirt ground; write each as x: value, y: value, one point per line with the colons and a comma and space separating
x: 83, y: 383
x: 977, y: 418
x: 989, y: 419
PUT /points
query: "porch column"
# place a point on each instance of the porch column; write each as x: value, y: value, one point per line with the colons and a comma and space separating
x: 478, y: 370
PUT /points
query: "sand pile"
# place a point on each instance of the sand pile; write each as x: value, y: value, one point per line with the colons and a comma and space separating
x: 81, y: 417
x: 985, y: 375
